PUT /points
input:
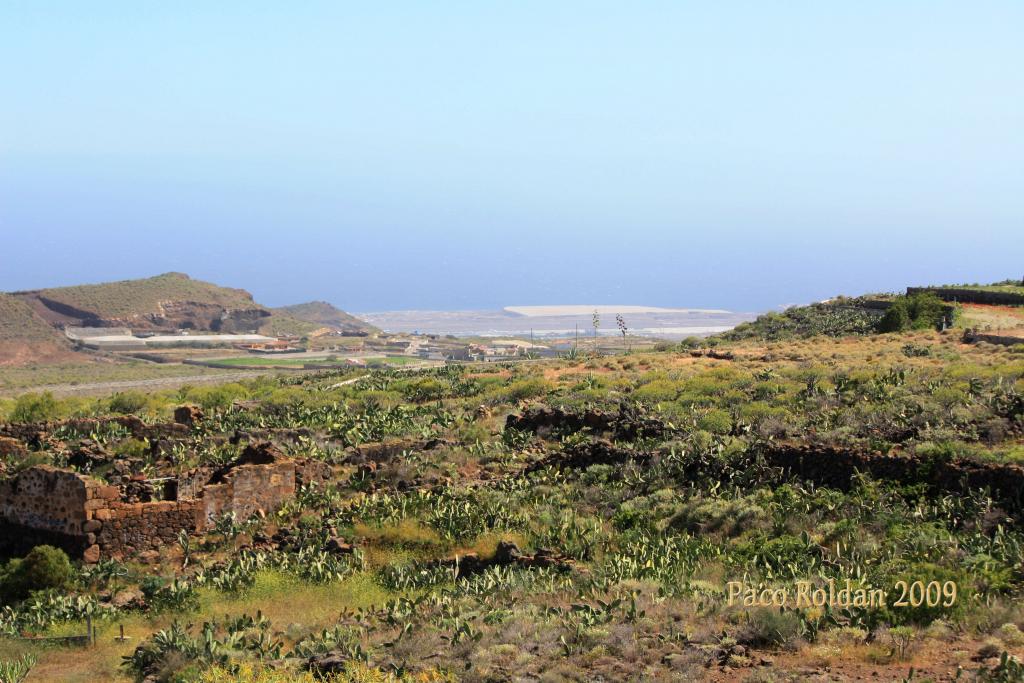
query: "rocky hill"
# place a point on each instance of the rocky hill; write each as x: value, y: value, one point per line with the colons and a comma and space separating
x: 323, y: 314
x: 170, y: 301
x: 31, y: 322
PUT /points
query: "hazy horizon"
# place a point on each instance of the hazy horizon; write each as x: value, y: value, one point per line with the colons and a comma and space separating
x: 736, y: 156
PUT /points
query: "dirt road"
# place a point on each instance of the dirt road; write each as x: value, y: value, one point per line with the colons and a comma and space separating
x: 144, y: 384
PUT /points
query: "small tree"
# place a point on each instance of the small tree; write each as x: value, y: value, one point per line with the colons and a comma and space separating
x: 926, y: 311
x: 596, y: 322
x: 896, y: 318
x: 919, y: 312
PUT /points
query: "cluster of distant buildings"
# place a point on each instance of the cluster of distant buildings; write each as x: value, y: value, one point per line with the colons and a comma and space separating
x: 122, y: 339
x: 438, y: 348
x: 428, y: 347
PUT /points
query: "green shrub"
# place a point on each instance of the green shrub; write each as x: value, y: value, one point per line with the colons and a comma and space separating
x: 219, y: 397
x: 919, y: 312
x: 716, y: 421
x: 528, y: 388
x: 34, y: 408
x: 126, y: 403
x: 133, y: 448
x: 730, y: 517
x: 896, y: 318
x: 45, y: 567
x: 927, y: 311
x: 423, y: 389
x: 657, y: 391
x: 839, y: 318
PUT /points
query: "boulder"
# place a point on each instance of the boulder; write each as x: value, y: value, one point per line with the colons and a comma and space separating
x: 91, y: 554
x: 149, y: 557
x: 338, y: 546
x: 507, y: 553
x: 328, y: 663
x: 188, y: 415
x: 128, y: 598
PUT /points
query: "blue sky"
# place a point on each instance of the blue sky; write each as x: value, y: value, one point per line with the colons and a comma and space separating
x: 480, y: 154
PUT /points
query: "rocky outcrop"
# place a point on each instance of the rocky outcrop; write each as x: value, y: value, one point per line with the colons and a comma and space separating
x: 382, y: 451
x: 276, y: 435
x: 168, y: 316
x: 329, y: 663
x: 713, y: 354
x: 37, y: 435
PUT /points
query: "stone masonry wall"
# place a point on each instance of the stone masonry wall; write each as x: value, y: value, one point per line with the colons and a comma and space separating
x: 85, y: 517
x: 247, y: 490
x: 127, y: 529
x: 52, y: 499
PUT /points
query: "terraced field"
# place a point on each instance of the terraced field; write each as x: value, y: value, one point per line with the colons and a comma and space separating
x: 595, y: 518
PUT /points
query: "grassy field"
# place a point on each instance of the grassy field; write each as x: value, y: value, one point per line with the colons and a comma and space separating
x: 992, y: 317
x: 631, y: 490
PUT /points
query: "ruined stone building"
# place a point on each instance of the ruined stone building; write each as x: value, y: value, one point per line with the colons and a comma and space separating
x: 91, y: 519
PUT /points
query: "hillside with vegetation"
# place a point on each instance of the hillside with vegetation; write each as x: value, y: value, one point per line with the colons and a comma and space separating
x: 126, y: 299
x: 323, y: 314
x: 846, y: 316
x: 32, y: 322
x: 25, y: 337
x: 19, y: 322
x: 567, y: 519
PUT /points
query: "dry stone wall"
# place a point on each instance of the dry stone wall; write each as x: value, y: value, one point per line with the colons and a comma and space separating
x: 971, y: 296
